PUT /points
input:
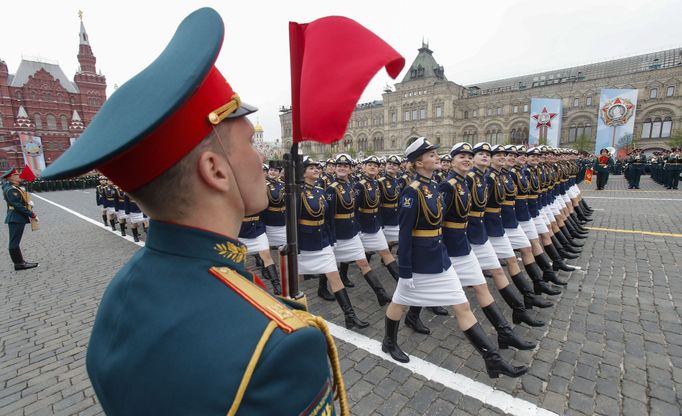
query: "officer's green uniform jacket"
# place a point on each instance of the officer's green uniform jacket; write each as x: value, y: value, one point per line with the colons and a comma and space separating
x: 178, y: 325
x: 17, y: 205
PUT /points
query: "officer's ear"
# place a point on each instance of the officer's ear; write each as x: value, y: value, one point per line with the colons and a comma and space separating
x: 214, y: 171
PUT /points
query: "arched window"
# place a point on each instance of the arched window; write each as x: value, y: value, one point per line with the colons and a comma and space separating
x: 667, y: 127
x: 65, y: 124
x: 656, y: 128
x: 646, y: 129
x: 519, y: 135
x: 51, y: 122
x: 18, y: 95
x: 470, y: 136
x: 1, y: 120
x: 348, y: 142
x: 579, y: 130
x: 39, y: 121
x: 362, y: 143
x: 378, y: 142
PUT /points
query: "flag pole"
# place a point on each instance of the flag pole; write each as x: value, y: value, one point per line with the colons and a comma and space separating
x: 292, y: 183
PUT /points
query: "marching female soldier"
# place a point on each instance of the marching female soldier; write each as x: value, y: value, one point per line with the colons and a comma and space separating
x: 315, y: 237
x: 390, y: 187
x: 426, y: 274
x: 348, y: 247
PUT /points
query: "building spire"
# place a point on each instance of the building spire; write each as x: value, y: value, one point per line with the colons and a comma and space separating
x: 83, y: 35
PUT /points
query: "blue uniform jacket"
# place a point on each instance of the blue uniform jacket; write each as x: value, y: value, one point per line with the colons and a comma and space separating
x: 508, y: 205
x: 18, y: 209
x: 173, y: 337
x: 496, y: 195
x: 421, y: 248
x: 367, y: 200
x: 521, y: 205
x: 275, y: 213
x: 252, y: 227
x: 390, y: 193
x: 341, y: 205
x: 315, y: 225
x: 131, y: 205
x: 99, y: 194
x: 457, y: 201
x: 109, y: 194
x: 119, y: 200
x: 478, y: 188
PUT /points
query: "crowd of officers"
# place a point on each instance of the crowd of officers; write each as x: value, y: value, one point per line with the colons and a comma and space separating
x: 44, y: 185
x: 454, y: 218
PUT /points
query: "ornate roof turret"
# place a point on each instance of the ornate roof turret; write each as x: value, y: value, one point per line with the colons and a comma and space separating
x: 424, y: 66
x: 76, y: 122
x: 22, y: 120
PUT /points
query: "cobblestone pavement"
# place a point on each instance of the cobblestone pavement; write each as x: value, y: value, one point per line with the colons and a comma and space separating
x: 613, y: 343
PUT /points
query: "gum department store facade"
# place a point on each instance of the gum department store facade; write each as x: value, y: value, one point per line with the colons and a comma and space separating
x: 426, y: 103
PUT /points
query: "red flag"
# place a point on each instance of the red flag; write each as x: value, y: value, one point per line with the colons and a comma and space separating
x: 588, y: 175
x: 332, y: 61
x: 27, y: 174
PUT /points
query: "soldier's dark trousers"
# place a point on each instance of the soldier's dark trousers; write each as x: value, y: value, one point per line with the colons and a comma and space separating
x: 16, y: 231
x: 635, y: 176
x: 602, y: 179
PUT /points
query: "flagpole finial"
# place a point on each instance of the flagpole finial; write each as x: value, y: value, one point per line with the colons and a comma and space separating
x: 80, y: 15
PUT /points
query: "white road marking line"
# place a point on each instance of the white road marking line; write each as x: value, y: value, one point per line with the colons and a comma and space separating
x: 468, y: 387
x: 637, y: 199
x: 88, y: 219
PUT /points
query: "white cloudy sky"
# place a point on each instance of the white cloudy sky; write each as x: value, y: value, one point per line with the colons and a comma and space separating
x: 475, y: 40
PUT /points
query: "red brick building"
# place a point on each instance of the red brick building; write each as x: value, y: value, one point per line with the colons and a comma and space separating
x: 39, y: 100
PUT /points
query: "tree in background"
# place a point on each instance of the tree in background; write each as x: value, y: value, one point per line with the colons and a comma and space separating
x: 583, y: 144
x: 676, y: 139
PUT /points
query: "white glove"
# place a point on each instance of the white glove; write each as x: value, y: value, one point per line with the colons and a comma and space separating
x: 36, y: 218
x: 30, y: 203
x: 406, y: 283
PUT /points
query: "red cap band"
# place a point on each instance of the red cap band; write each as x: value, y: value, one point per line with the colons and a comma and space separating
x: 174, y: 138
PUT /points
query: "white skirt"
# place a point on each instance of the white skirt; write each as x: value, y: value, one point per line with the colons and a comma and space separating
x: 517, y: 237
x: 349, y: 250
x: 554, y: 208
x: 433, y: 289
x: 121, y: 215
x: 374, y: 241
x: 566, y: 198
x: 547, y: 215
x: 136, y: 217
x: 277, y: 235
x: 391, y: 232
x: 574, y: 191
x: 110, y: 211
x: 540, y: 225
x: 468, y: 269
x: 502, y: 247
x: 317, y: 262
x: 529, y: 228
x: 256, y: 245
x: 485, y: 253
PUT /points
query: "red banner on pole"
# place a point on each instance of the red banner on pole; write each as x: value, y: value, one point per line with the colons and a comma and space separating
x: 332, y: 61
x: 588, y: 175
x: 27, y: 174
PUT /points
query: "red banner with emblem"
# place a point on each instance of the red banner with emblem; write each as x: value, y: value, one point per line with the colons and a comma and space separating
x: 588, y: 175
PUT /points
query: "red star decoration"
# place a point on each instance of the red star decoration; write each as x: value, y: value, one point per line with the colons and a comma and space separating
x: 549, y: 122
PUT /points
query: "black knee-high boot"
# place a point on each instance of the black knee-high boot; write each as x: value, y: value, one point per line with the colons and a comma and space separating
x: 271, y: 274
x: 123, y: 229
x: 343, y: 272
x: 494, y: 363
x: 557, y: 261
x: 519, y: 312
x: 105, y: 219
x: 505, y: 334
x: 113, y: 225
x: 352, y: 320
x: 322, y: 290
x: 392, y: 268
x: 548, y: 275
x: 566, y: 250
x: 390, y: 342
x: 378, y: 289
x: 412, y: 320
x: 531, y: 296
x: 539, y: 284
x: 136, y: 234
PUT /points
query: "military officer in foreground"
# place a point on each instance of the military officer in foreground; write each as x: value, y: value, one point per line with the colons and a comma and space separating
x: 19, y: 213
x: 182, y: 329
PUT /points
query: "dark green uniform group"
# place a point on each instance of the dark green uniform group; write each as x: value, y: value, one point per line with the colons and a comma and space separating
x: 635, y: 167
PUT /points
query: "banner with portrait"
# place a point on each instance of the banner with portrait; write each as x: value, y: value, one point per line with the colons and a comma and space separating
x: 616, y: 121
x: 32, y: 149
x: 545, y: 122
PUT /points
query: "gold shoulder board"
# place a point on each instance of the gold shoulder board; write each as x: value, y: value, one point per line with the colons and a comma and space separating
x: 415, y: 185
x: 334, y: 185
x: 285, y: 319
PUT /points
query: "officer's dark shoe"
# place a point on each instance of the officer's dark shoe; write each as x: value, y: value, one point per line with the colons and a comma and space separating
x: 505, y: 334
x: 379, y: 291
x: 271, y: 274
x: 519, y: 311
x: 352, y: 320
x: 136, y: 235
x: 412, y: 320
x: 557, y: 261
x: 322, y: 290
x: 113, y: 225
x: 438, y: 310
x: 343, y: 272
x: 539, y: 284
x: 393, y: 269
x: 390, y: 342
x: 494, y: 363
x: 18, y: 260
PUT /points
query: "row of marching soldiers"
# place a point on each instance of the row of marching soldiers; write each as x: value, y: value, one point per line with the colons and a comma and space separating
x: 452, y: 227
x: 118, y: 208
